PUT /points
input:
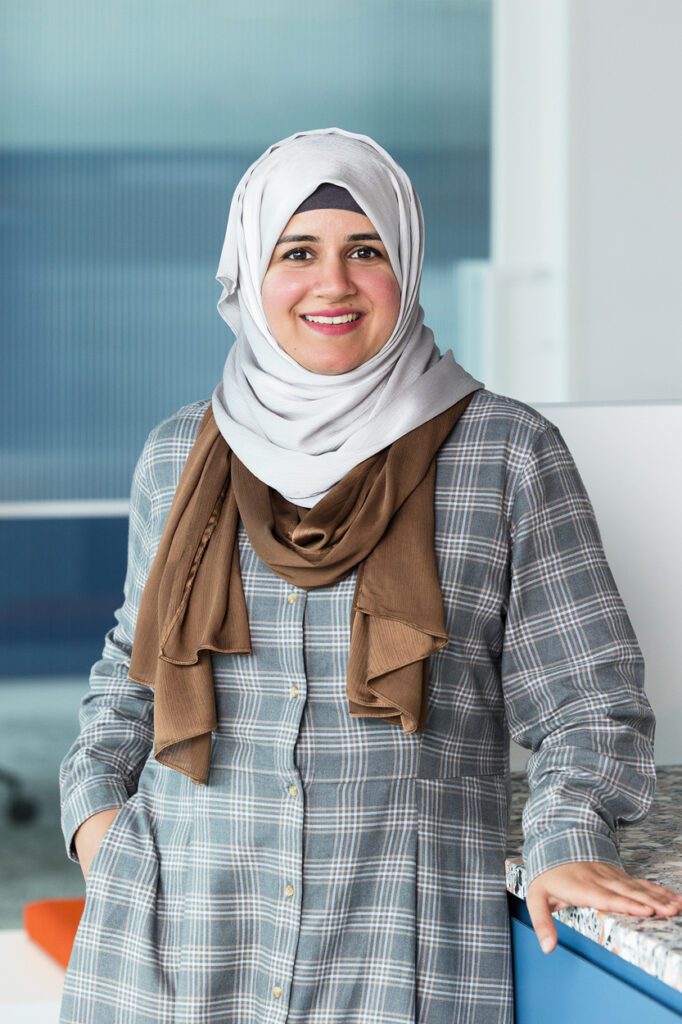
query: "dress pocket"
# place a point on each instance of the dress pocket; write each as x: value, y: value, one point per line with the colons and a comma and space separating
x: 106, y: 840
x: 122, y: 887
x: 125, y: 954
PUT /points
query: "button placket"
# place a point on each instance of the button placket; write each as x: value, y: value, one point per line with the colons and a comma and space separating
x: 291, y: 883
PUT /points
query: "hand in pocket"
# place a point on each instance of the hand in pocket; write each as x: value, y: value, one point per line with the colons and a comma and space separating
x: 90, y: 834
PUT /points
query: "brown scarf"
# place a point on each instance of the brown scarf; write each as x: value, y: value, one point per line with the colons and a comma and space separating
x: 380, y: 514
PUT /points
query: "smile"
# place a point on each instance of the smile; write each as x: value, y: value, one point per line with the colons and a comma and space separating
x: 333, y: 324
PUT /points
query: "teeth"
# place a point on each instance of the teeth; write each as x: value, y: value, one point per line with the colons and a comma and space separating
x: 346, y: 319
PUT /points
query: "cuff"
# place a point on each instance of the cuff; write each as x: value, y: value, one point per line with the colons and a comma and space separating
x: 85, y: 800
x: 564, y: 847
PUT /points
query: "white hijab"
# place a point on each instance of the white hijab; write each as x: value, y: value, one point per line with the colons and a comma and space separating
x: 297, y: 430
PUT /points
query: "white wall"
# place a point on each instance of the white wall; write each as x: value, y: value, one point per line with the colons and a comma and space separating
x: 626, y: 208
x: 528, y: 331
x: 579, y: 311
x: 586, y: 302
x: 628, y: 455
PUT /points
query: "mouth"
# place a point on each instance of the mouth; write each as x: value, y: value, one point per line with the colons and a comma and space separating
x: 342, y: 323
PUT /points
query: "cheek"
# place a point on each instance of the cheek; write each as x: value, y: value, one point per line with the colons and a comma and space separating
x: 280, y: 292
x: 385, y: 294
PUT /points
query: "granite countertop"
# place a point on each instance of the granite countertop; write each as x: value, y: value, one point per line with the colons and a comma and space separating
x: 651, y: 850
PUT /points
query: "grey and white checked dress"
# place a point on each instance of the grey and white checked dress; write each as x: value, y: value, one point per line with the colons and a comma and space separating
x: 337, y: 870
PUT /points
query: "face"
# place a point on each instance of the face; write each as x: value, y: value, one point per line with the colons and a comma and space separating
x: 328, y: 263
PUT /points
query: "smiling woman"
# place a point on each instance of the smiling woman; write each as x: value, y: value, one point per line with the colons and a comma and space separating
x: 333, y: 288
x: 353, y: 572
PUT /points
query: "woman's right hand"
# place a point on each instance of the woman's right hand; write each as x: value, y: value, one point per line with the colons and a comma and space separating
x: 90, y: 834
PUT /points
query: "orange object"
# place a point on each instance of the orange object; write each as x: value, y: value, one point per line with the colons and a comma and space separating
x: 52, y: 925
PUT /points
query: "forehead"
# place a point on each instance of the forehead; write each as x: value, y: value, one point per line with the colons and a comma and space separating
x: 329, y: 223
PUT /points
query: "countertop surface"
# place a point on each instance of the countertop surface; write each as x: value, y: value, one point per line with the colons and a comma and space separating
x: 651, y: 850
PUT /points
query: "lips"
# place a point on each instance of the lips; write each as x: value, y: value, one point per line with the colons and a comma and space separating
x: 334, y: 328
x: 330, y: 312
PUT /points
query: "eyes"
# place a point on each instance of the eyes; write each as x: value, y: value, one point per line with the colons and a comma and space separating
x: 362, y: 248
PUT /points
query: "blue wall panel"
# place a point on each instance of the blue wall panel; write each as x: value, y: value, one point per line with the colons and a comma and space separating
x: 60, y: 583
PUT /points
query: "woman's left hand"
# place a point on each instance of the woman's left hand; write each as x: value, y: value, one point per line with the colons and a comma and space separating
x: 598, y: 885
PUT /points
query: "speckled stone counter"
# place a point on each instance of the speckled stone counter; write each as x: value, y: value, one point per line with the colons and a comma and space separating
x: 651, y: 850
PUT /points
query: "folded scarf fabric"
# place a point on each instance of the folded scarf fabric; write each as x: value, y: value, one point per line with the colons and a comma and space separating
x: 379, y: 516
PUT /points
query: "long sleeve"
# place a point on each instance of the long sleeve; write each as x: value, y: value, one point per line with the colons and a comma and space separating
x: 572, y: 672
x: 102, y: 766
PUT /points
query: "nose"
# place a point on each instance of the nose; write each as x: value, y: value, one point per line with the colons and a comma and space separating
x: 335, y: 279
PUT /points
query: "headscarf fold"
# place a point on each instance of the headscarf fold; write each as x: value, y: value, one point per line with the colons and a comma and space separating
x: 327, y: 472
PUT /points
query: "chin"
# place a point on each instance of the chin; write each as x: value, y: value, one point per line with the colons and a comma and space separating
x: 333, y: 364
x: 332, y: 371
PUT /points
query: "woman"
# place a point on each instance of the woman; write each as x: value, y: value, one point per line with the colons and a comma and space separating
x: 352, y: 573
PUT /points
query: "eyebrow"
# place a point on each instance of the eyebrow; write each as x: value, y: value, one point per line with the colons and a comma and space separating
x: 362, y: 237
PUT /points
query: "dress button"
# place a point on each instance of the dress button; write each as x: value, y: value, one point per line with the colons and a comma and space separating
x: 276, y: 991
x: 289, y: 890
x: 294, y: 691
x: 293, y: 789
x: 292, y: 597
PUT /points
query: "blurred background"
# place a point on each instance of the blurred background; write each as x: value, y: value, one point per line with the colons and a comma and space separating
x: 539, y: 136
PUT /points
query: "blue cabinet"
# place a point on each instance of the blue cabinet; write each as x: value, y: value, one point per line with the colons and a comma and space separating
x: 580, y: 981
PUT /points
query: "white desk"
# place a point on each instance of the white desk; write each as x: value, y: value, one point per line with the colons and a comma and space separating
x: 31, y: 982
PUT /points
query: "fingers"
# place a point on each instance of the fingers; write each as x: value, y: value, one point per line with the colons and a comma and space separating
x: 602, y: 887
x: 540, y: 905
x: 600, y: 896
x: 541, y: 917
x: 612, y: 896
x: 607, y: 900
x: 663, y: 901
x: 558, y: 904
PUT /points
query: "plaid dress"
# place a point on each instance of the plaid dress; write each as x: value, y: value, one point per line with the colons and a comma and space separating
x: 336, y: 869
